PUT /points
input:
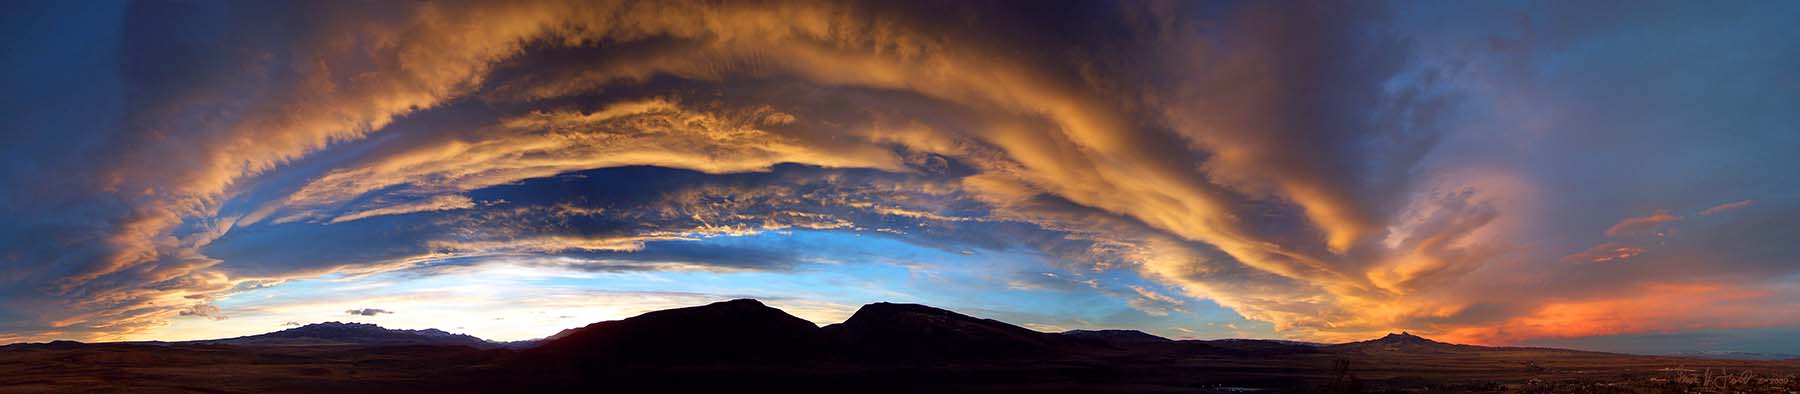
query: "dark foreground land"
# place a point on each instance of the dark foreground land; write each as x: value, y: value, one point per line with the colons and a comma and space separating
x: 743, y: 346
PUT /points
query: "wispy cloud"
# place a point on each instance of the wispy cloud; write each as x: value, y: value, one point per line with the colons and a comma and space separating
x: 204, y: 310
x: 1726, y: 207
x: 1604, y: 253
x: 368, y: 311
x: 1641, y: 225
x: 438, y: 203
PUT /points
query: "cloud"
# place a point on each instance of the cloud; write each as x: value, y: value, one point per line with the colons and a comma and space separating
x: 1331, y: 170
x: 1154, y: 296
x: 1040, y: 129
x: 1716, y: 209
x: 1631, y: 234
x: 368, y: 311
x: 1153, y: 303
x: 204, y: 310
x: 1641, y: 225
x: 650, y: 132
x: 1606, y: 252
x: 437, y: 203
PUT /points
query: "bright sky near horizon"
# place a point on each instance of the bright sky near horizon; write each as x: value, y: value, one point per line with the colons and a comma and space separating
x: 1576, y: 174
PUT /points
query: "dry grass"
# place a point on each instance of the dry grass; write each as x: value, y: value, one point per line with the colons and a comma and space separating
x: 348, y: 369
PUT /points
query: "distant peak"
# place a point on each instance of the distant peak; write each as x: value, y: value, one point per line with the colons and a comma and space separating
x: 1405, y: 337
x: 363, y: 333
x: 741, y: 305
x: 742, y: 308
x: 895, y: 314
x: 899, y: 307
x: 1104, y: 332
x: 1116, y: 335
x: 889, y: 310
x: 342, y: 324
x: 336, y: 326
x: 741, y: 301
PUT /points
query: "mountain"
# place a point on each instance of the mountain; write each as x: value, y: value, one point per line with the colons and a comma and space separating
x: 911, y: 332
x: 1241, y: 347
x: 745, y: 346
x: 738, y: 331
x: 52, y: 345
x: 1265, y: 346
x: 1403, y: 342
x: 1115, y: 336
x: 747, y: 330
x: 531, y: 343
x: 1277, y: 341
x: 336, y: 333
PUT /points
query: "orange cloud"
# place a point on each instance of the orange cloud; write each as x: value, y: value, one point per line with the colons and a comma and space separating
x: 657, y: 132
x: 1606, y: 252
x: 1044, y: 134
x: 438, y: 203
x: 1165, y: 179
x: 1639, y: 225
x: 1726, y: 207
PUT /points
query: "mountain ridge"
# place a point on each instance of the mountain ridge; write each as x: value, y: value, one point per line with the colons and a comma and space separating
x: 915, y: 332
x: 745, y: 346
x: 1115, y: 335
x: 878, y: 318
x: 334, y: 332
x: 738, y: 330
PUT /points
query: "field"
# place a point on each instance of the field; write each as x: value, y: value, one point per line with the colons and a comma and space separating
x: 186, y: 368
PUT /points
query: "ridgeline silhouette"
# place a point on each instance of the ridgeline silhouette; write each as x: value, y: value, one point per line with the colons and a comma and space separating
x: 745, y: 346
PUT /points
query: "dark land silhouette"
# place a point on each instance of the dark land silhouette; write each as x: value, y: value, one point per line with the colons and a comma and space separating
x: 745, y: 346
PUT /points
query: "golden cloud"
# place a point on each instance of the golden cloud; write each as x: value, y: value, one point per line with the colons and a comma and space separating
x: 1168, y: 179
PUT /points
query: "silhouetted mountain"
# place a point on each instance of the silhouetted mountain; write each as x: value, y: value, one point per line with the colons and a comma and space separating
x: 52, y: 345
x: 357, y: 334
x: 1115, y: 336
x: 744, y: 346
x: 1278, y: 341
x: 1264, y: 346
x: 1402, y: 342
x: 1134, y: 342
x: 737, y: 330
x: 558, y: 335
x: 912, y: 332
x: 531, y: 343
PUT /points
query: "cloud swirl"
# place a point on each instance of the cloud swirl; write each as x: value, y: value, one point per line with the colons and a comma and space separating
x: 1333, y: 170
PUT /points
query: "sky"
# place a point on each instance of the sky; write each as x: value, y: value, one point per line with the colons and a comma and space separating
x: 1596, y: 175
